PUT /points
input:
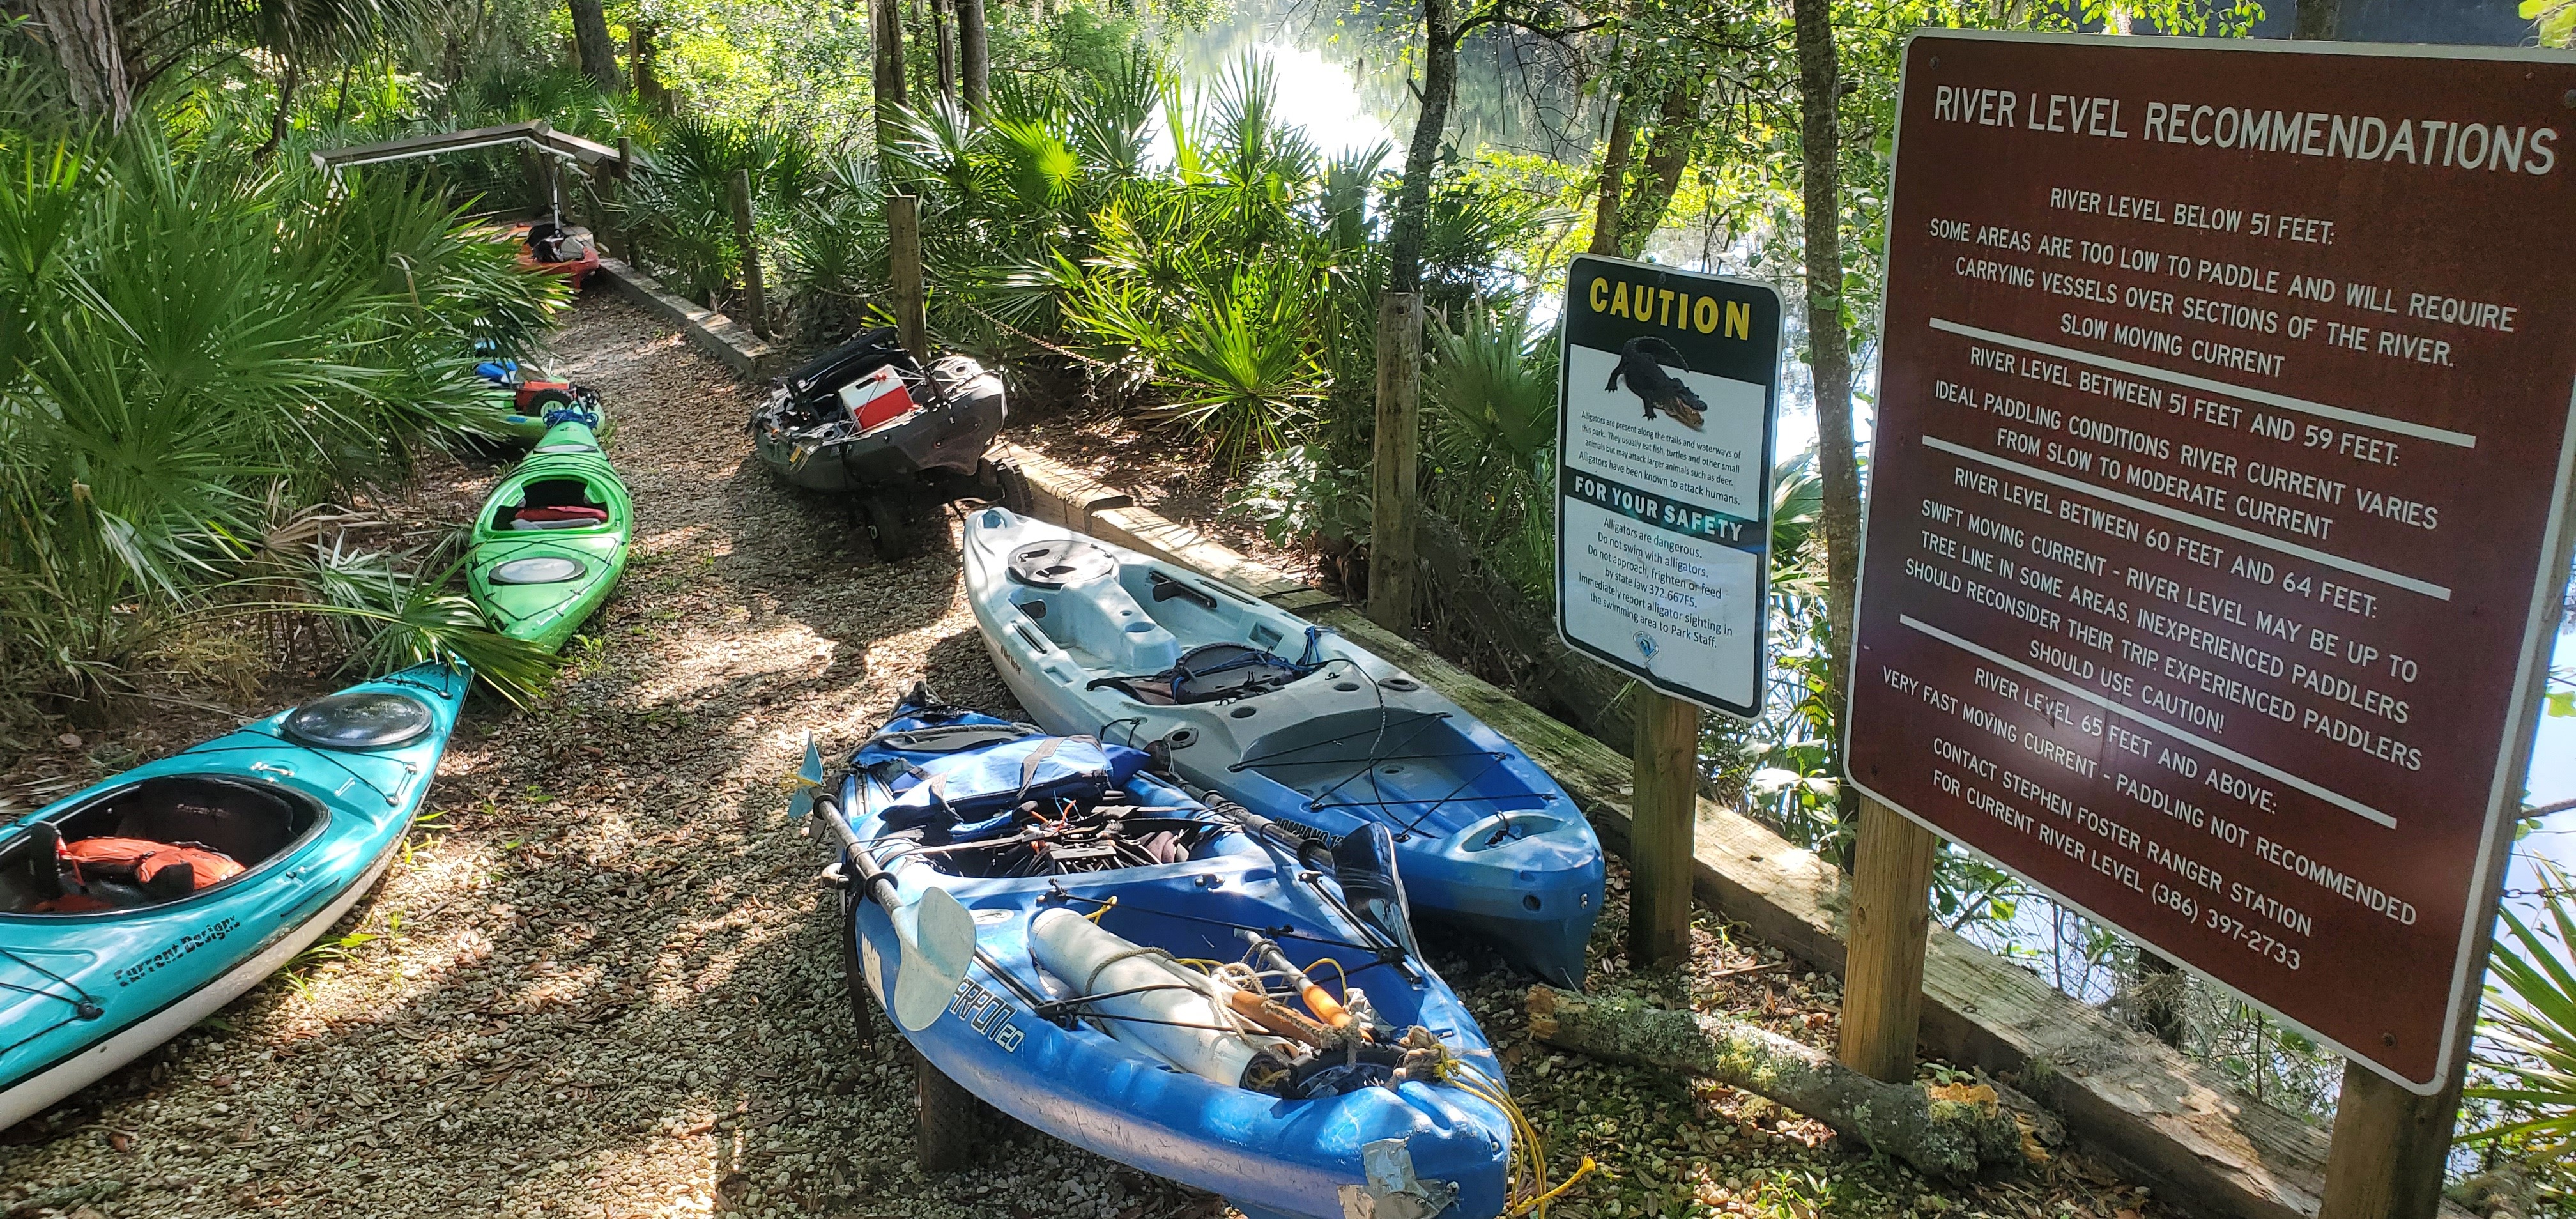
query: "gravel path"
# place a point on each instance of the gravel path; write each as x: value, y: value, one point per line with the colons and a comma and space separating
x: 602, y: 981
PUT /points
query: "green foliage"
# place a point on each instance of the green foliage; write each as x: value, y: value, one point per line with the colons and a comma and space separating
x: 2528, y: 1053
x: 186, y: 335
x: 1489, y: 438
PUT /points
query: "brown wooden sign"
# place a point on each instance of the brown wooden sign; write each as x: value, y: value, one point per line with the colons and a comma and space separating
x: 2217, y: 497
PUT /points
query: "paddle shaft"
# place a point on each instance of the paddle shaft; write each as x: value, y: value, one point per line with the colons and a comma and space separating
x: 873, y: 880
x: 1261, y: 827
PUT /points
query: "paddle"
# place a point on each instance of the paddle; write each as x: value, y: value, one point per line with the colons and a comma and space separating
x: 934, y: 931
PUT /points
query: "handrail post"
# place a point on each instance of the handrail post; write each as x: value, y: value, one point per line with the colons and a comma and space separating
x: 903, y: 266
x: 755, y: 297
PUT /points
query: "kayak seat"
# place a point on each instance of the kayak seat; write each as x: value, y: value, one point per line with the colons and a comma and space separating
x: 1209, y: 673
x: 200, y: 825
x: 1098, y: 617
x: 554, y: 503
x: 1061, y: 563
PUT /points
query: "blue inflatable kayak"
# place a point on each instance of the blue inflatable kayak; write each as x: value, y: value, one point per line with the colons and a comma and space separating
x: 1090, y: 949
x: 134, y: 908
x: 1291, y: 721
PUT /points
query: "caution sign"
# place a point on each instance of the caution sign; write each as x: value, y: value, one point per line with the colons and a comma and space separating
x: 1664, y: 434
x: 2219, y: 495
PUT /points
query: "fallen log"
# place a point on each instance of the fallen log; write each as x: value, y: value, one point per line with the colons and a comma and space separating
x: 1950, y: 1133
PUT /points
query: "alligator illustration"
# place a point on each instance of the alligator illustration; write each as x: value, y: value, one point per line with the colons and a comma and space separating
x: 1642, y: 362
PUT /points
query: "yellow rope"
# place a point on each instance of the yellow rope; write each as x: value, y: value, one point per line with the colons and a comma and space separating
x: 1102, y: 908
x: 1528, y: 1170
x: 1337, y: 972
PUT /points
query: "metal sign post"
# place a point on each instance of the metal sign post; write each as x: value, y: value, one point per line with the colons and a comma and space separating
x: 2223, y: 455
x: 1666, y: 412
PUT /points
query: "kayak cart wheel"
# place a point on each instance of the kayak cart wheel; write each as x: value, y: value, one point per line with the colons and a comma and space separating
x: 1015, y: 492
x: 947, y: 1135
x: 862, y: 1008
x: 887, y: 529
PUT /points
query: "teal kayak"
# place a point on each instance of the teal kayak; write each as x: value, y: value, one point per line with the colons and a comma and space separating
x: 264, y: 839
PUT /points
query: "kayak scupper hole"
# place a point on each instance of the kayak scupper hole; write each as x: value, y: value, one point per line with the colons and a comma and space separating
x: 1183, y: 738
x: 1529, y: 900
x: 1401, y: 684
x: 1346, y: 686
x: 1242, y: 713
x: 1139, y: 628
x: 1389, y: 770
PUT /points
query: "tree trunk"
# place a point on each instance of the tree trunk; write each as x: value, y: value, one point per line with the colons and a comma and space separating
x: 1828, y: 345
x: 639, y: 58
x: 1413, y: 202
x: 943, y: 47
x: 2319, y: 21
x: 1667, y: 155
x: 590, y: 37
x: 277, y: 122
x: 2160, y: 994
x: 975, y: 54
x: 84, y: 37
x: 1614, y: 177
x: 885, y: 26
x: 1953, y: 1133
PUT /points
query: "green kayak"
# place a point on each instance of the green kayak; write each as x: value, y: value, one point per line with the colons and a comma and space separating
x: 551, y: 541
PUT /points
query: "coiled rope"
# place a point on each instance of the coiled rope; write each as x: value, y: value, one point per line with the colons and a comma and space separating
x: 1527, y: 1175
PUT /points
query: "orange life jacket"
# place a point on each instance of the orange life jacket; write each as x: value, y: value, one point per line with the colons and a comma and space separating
x: 139, y: 861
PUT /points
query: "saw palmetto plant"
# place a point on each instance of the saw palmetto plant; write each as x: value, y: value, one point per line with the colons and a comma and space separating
x: 187, y: 332
x: 2527, y: 1051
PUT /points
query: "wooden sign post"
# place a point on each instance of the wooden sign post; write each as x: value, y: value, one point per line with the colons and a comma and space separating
x: 2218, y: 515
x: 1663, y: 545
x: 1891, y: 923
x: 1395, y: 461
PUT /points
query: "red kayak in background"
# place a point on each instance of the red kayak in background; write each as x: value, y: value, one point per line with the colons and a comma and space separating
x: 556, y: 249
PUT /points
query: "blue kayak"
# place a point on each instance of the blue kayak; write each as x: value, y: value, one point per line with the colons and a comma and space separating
x: 1293, y: 722
x: 1161, y: 981
x: 133, y: 909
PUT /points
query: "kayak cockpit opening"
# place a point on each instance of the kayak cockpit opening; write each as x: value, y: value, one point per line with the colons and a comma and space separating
x: 151, y: 843
x: 554, y: 503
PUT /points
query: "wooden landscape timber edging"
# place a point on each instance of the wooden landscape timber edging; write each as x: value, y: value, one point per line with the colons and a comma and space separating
x: 2131, y: 1100
x: 751, y: 357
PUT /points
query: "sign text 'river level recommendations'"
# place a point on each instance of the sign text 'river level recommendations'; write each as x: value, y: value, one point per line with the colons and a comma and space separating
x: 2219, y: 498
x: 1663, y: 536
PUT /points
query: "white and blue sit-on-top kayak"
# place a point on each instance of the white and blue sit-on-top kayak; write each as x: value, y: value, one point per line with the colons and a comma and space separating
x: 1291, y: 721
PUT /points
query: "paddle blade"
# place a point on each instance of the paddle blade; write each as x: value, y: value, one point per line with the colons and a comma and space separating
x: 1364, y: 864
x: 810, y: 782
x: 938, y: 939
